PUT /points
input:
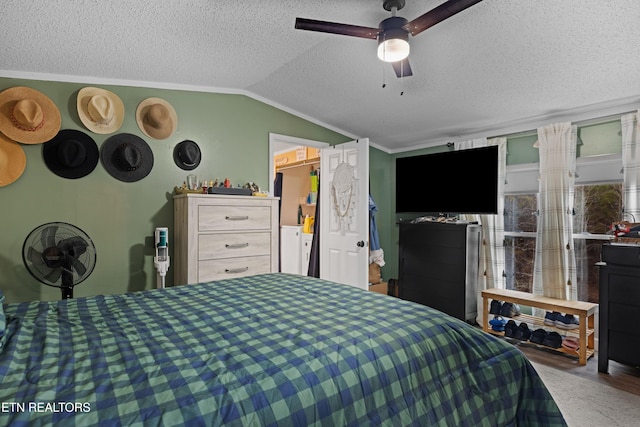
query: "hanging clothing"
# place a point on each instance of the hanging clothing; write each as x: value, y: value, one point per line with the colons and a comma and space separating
x: 314, y: 255
x: 374, y: 239
x: 277, y: 192
x: 376, y: 254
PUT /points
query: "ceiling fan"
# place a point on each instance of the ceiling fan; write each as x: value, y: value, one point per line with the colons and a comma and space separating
x: 392, y: 33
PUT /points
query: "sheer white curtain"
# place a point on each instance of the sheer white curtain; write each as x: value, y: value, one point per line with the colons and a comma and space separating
x: 631, y: 165
x: 554, y: 271
x: 491, y: 269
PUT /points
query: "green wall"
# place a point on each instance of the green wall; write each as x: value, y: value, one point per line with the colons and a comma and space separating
x: 233, y: 134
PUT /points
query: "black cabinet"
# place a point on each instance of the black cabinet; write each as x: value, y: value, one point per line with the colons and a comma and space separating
x: 619, y: 336
x: 438, y: 266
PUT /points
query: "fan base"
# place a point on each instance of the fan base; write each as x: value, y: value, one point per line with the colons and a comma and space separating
x: 390, y: 4
x: 67, y: 293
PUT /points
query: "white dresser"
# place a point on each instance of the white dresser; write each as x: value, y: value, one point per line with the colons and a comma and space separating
x: 219, y: 237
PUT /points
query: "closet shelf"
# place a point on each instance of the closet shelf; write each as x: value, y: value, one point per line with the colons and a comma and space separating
x: 308, y: 162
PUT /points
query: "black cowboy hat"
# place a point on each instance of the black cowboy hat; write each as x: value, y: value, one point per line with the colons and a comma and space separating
x: 126, y: 157
x: 71, y: 154
x: 187, y: 155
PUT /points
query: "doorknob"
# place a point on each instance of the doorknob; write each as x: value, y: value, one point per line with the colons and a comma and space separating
x: 360, y: 244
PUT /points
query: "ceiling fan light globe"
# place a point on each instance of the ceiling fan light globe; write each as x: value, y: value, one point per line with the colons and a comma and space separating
x: 393, y: 50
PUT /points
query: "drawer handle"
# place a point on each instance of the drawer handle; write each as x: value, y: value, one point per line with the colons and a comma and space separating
x: 236, y: 246
x: 236, y: 270
x: 237, y: 218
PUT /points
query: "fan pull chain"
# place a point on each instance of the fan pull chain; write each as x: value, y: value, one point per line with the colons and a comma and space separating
x: 384, y: 83
x: 384, y: 74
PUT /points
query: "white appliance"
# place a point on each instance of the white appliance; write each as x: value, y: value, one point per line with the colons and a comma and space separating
x: 161, y: 261
x: 290, y: 253
x: 295, y: 249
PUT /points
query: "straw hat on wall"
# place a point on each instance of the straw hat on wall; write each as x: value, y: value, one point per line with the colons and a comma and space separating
x: 156, y: 118
x: 13, y: 161
x: 28, y: 116
x: 99, y: 110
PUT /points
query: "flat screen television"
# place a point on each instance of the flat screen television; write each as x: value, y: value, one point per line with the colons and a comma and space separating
x: 452, y: 182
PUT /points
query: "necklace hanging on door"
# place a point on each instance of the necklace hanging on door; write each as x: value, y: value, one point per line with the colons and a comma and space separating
x: 343, y: 192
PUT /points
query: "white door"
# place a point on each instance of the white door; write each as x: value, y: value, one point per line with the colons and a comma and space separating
x: 344, y: 213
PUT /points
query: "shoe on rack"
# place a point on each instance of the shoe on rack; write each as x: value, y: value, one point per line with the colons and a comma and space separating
x: 510, y: 309
x: 510, y: 329
x: 538, y: 336
x: 568, y: 321
x: 550, y: 318
x: 496, y: 307
x: 522, y: 332
x: 497, y: 323
x: 553, y: 340
x: 571, y: 343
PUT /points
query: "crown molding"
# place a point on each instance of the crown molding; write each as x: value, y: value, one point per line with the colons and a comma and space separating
x: 65, y: 78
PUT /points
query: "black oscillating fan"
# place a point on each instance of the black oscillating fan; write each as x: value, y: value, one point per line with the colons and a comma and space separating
x: 59, y: 255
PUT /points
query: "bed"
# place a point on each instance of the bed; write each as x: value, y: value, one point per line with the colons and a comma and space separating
x: 266, y: 350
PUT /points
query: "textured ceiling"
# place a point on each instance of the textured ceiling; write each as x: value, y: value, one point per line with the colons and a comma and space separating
x: 502, y: 64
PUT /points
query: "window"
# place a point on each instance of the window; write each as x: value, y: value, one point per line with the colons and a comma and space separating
x: 597, y: 203
x: 596, y: 207
x: 520, y: 223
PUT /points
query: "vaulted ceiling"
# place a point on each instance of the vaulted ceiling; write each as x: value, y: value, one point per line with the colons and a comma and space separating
x: 499, y: 65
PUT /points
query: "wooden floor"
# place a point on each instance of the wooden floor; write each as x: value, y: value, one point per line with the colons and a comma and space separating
x: 622, y: 377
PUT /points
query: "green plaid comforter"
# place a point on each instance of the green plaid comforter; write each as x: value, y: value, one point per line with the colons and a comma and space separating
x: 269, y: 350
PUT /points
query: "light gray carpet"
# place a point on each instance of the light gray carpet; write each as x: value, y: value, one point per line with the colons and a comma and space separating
x: 587, y: 403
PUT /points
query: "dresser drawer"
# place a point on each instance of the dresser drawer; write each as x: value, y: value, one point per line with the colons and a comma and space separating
x: 623, y: 318
x: 233, y: 245
x: 233, y: 267
x: 624, y: 287
x: 231, y: 218
x: 621, y: 254
x: 624, y: 348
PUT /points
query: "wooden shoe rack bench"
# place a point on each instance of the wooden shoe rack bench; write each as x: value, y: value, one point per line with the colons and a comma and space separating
x: 585, y: 311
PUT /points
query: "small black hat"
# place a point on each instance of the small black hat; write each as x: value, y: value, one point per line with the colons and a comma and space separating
x: 187, y: 155
x: 126, y: 157
x: 71, y: 154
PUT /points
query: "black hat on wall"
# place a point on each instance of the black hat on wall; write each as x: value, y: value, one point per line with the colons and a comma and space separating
x: 187, y: 155
x: 126, y: 157
x: 71, y: 154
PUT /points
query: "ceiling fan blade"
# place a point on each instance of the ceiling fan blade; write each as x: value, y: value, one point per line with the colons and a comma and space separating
x: 438, y: 14
x: 402, y: 68
x: 336, y: 28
